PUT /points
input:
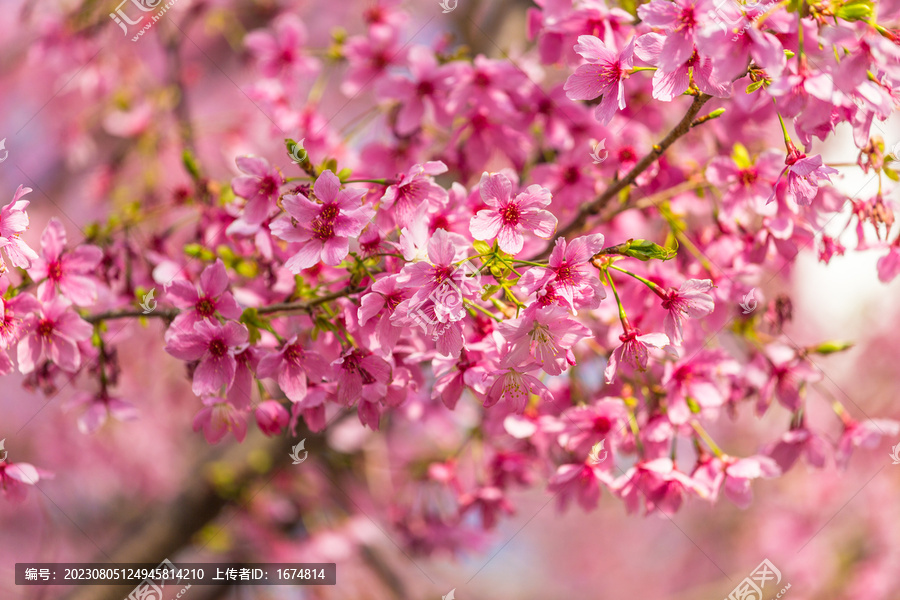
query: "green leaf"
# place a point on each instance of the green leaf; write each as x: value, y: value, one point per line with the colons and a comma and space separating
x: 832, y: 347
x: 190, y: 163
x: 892, y: 174
x: 646, y: 250
x: 855, y: 10
x: 490, y: 291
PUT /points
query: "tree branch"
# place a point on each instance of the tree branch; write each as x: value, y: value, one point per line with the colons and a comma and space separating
x: 580, y: 222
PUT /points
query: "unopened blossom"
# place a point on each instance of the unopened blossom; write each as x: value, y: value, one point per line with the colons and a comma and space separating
x: 13, y: 223
x: 214, y: 345
x: 506, y: 216
x: 322, y: 229
x: 292, y: 366
x: 71, y: 272
x: 259, y: 186
x: 271, y: 417
x: 545, y: 337
x: 52, y: 333
x: 603, y: 75
x: 414, y: 189
x: 692, y: 300
x: 569, y: 270
x: 204, y: 301
x: 634, y: 350
x: 515, y: 388
x: 217, y: 418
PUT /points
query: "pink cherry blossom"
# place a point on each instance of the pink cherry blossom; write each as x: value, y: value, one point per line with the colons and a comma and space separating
x: 13, y: 223
x: 52, y: 333
x: 293, y: 366
x: 545, y: 337
x: 322, y: 229
x: 259, y: 186
x: 635, y: 350
x: 217, y: 418
x: 570, y: 272
x: 203, y: 302
x: 214, y: 345
x: 507, y: 215
x: 71, y: 272
x: 603, y: 75
x: 515, y: 387
x: 692, y: 301
x: 271, y: 417
x: 279, y: 51
x: 415, y: 188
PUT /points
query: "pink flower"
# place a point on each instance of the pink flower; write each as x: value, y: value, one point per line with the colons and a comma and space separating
x: 669, y: 83
x: 322, y: 229
x: 429, y: 87
x: 515, y: 388
x: 214, y: 345
x: 803, y: 177
x: 292, y: 367
x: 53, y: 334
x: 260, y: 187
x: 370, y: 56
x: 13, y: 312
x: 796, y: 443
x: 415, y: 189
x: 217, y: 418
x: 204, y: 302
x: 358, y: 373
x: 100, y: 408
x: 889, y: 264
x: 604, y: 75
x: 546, y: 337
x: 490, y: 501
x: 507, y: 215
x: 680, y: 19
x: 279, y: 52
x: 577, y: 286
x: 13, y: 223
x: 736, y: 474
x: 272, y: 417
x: 865, y: 434
x: 70, y: 271
x: 379, y: 304
x: 585, y: 426
x: 13, y: 478
x: 662, y: 484
x: 635, y: 350
x: 691, y: 300
x: 586, y: 489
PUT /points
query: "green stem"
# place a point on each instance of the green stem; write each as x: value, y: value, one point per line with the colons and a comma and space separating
x: 622, y: 316
x: 656, y: 288
x: 471, y: 304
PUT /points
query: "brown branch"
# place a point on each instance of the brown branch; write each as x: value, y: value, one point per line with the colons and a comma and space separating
x: 280, y: 307
x: 580, y: 222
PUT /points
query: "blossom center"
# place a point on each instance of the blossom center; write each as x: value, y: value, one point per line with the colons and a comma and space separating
x: 205, y: 307
x: 323, y: 229
x: 267, y: 186
x: 45, y: 328
x: 218, y: 348
x: 510, y: 214
x: 54, y: 271
x: 293, y: 354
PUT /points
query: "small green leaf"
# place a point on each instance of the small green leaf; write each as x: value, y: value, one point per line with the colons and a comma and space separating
x: 755, y: 86
x: 855, y: 10
x: 892, y: 174
x: 646, y: 250
x: 832, y: 347
x: 190, y: 163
